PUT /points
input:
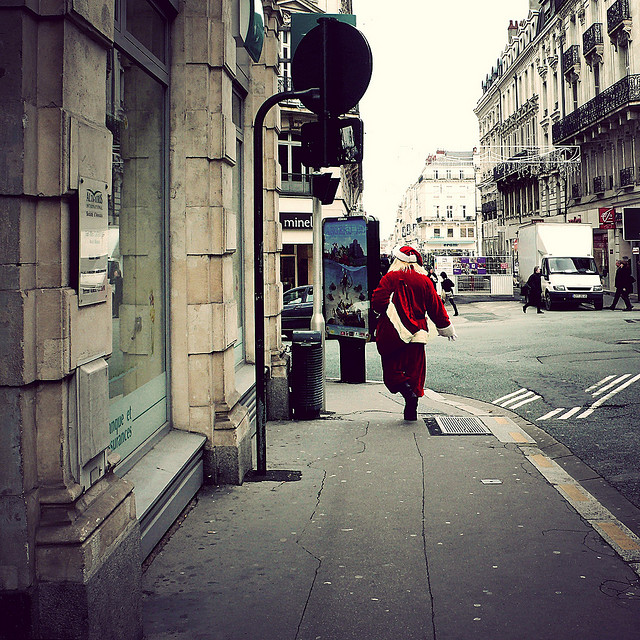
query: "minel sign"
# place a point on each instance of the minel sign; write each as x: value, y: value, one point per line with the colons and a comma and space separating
x: 295, y: 221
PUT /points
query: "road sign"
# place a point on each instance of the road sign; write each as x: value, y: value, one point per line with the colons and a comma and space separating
x: 336, y: 58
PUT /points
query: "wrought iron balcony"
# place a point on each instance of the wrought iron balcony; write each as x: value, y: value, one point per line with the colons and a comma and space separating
x: 571, y: 59
x: 626, y: 177
x: 618, y: 95
x: 617, y: 13
x: 576, y: 190
x: 599, y: 184
x: 592, y: 38
x: 489, y: 207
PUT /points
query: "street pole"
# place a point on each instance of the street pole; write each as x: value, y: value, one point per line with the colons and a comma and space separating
x: 258, y: 269
x: 317, y: 319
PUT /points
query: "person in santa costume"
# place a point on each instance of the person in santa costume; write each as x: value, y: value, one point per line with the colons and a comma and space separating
x: 403, y: 299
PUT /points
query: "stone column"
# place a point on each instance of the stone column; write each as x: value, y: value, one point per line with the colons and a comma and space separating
x: 69, y: 563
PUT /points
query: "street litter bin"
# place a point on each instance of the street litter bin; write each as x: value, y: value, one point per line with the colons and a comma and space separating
x: 306, y: 375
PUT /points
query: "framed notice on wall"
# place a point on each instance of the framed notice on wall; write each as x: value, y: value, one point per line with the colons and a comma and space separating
x: 93, y: 250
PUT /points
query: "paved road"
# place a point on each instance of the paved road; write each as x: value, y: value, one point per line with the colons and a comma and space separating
x: 575, y: 374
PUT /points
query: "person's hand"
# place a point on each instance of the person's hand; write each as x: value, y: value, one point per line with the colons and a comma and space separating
x: 448, y: 332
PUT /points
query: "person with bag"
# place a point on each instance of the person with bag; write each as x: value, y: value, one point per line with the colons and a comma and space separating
x: 623, y: 283
x: 404, y: 297
x: 534, y: 292
x: 447, y: 292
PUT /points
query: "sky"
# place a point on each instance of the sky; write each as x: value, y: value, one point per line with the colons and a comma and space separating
x: 429, y: 60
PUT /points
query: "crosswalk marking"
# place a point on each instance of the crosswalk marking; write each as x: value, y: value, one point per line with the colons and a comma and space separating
x: 523, y: 402
x: 597, y: 384
x: 571, y: 412
x: 609, y: 386
x: 515, y: 393
x: 546, y: 416
x: 602, y: 400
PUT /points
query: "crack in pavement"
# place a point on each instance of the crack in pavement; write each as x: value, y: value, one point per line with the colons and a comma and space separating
x: 424, y: 537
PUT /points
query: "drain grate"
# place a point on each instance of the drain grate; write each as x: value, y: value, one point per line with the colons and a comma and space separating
x: 456, y: 426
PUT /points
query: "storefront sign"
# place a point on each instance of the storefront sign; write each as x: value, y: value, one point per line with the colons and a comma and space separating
x: 93, y: 241
x: 607, y: 217
x: 296, y: 221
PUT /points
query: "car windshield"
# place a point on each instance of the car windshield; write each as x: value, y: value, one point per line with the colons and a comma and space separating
x: 293, y: 296
x: 573, y: 265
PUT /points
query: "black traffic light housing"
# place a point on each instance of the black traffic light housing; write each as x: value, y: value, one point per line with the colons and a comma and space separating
x: 324, y: 187
x: 332, y: 142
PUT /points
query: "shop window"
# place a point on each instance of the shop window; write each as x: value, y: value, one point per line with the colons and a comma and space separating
x: 238, y: 208
x: 136, y: 116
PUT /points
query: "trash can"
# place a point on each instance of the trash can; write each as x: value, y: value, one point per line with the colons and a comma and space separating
x: 306, y: 375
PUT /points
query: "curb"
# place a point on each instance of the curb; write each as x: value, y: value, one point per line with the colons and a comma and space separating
x: 622, y: 539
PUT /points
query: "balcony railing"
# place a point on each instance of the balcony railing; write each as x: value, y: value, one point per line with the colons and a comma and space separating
x: 626, y: 177
x: 592, y: 38
x: 611, y: 99
x: 298, y: 183
x: 571, y: 59
x: 617, y: 13
x: 599, y: 184
x: 576, y: 190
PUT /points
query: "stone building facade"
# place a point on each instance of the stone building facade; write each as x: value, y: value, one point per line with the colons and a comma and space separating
x: 126, y: 289
x: 558, y: 132
x: 438, y: 212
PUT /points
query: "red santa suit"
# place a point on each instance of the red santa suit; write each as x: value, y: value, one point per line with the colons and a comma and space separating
x: 403, y: 299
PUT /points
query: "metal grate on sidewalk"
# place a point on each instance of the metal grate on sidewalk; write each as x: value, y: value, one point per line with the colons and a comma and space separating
x: 456, y: 426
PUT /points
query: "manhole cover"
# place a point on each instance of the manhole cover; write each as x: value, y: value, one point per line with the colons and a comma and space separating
x: 456, y: 426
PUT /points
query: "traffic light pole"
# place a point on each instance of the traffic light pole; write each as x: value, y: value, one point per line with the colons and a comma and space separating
x: 258, y: 268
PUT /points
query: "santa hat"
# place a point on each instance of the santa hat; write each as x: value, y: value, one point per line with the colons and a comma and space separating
x: 407, y: 254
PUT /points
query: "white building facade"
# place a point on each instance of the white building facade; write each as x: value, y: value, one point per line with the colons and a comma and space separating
x: 438, y: 212
x: 558, y: 126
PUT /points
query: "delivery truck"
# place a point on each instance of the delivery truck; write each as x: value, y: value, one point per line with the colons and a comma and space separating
x: 564, y: 253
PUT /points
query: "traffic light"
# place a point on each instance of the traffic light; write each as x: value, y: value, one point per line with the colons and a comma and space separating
x: 324, y: 187
x: 344, y: 142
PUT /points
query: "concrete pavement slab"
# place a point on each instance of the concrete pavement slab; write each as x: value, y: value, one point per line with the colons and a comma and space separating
x: 390, y: 533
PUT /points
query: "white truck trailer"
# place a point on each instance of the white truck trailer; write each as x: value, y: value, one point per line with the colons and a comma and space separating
x: 564, y: 253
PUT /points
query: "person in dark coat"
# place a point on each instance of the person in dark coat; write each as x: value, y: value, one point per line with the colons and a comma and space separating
x: 624, y: 284
x: 404, y: 297
x: 534, y: 295
x: 447, y: 288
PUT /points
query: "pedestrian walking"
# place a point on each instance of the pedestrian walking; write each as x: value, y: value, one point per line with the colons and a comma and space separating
x: 434, y: 277
x: 447, y: 292
x: 404, y: 297
x: 623, y: 283
x: 534, y: 294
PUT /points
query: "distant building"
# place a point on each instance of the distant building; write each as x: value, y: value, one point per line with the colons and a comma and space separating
x: 438, y: 212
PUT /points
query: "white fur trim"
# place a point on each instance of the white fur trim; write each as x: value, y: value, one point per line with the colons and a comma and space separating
x: 420, y: 336
x: 403, y: 256
x: 448, y: 332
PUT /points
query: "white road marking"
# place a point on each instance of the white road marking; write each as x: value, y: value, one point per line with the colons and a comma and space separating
x: 570, y: 413
x: 602, y: 400
x: 586, y: 413
x: 546, y: 416
x: 515, y: 393
x: 597, y: 384
x: 517, y: 398
x: 611, y: 384
x: 527, y: 401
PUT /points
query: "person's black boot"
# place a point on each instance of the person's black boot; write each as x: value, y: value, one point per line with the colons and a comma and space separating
x: 410, y: 403
x: 411, y: 409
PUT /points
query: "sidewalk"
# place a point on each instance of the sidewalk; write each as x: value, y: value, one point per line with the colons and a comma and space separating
x: 394, y: 533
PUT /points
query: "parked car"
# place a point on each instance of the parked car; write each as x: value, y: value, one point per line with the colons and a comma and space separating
x: 297, y: 309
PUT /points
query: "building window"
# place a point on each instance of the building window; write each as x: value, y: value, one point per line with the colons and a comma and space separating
x: 463, y: 232
x: 450, y: 232
x: 293, y: 174
x: 137, y: 78
x: 435, y: 174
x: 436, y: 233
x: 449, y: 212
x: 448, y: 174
x: 464, y: 210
